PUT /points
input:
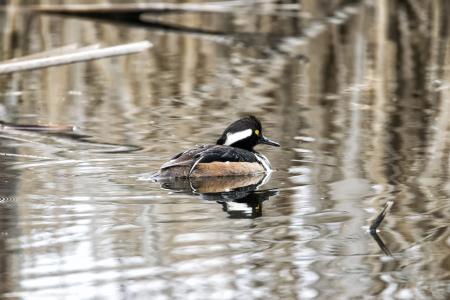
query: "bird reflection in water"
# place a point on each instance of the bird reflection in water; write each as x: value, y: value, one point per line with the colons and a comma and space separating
x: 239, y: 196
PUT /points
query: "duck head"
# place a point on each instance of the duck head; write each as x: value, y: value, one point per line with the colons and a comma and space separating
x: 245, y: 133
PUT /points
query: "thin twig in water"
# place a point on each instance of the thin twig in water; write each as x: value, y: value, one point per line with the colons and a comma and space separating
x: 36, y: 127
x: 23, y: 155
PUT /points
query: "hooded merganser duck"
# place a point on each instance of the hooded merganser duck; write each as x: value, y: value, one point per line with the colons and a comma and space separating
x: 233, y: 154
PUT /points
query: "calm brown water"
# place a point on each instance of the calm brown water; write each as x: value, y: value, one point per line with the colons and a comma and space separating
x: 359, y: 101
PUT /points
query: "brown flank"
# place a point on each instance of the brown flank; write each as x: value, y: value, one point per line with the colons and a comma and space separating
x: 214, y: 169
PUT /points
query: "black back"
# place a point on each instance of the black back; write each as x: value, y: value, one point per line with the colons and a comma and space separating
x: 210, y: 153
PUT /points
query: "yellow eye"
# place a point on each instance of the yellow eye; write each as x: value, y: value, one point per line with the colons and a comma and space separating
x: 257, y: 132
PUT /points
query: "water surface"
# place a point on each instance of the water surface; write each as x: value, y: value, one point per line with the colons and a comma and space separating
x: 360, y: 102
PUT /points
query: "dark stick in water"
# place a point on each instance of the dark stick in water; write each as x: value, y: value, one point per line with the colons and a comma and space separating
x: 376, y: 223
x: 380, y: 217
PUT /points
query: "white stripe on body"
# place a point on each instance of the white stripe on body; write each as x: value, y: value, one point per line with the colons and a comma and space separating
x: 237, y: 136
x: 264, y: 161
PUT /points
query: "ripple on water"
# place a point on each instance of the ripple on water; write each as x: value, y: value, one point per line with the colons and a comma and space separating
x: 217, y: 244
x: 327, y: 216
x: 289, y: 233
x: 8, y: 201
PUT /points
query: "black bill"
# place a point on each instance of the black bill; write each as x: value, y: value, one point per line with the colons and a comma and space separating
x: 264, y: 140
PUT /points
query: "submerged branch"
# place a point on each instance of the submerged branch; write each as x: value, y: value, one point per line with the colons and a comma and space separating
x: 36, y: 127
x: 83, y: 54
x: 64, y: 132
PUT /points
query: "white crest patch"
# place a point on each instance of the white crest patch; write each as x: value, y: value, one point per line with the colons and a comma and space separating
x: 237, y: 136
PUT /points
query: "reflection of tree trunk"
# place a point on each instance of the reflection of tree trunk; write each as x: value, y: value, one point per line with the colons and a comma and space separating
x: 439, y: 146
x: 8, y: 178
x: 383, y: 58
x: 409, y: 115
x: 8, y: 220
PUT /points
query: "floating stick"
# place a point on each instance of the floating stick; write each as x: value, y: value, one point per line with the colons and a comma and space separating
x: 69, y: 58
